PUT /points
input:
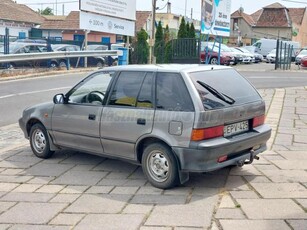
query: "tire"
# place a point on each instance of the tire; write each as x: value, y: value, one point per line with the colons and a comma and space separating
x: 39, y: 141
x: 160, y: 166
x: 53, y: 65
x: 213, y: 61
x: 62, y: 64
x: 100, y: 64
x: 11, y: 65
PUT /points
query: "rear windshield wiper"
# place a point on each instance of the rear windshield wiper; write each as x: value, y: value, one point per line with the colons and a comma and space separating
x: 217, y: 94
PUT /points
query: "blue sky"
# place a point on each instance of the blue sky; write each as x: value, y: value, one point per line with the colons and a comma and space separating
x: 178, y: 6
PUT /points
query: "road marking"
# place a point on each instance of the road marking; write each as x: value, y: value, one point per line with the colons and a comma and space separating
x: 32, y: 92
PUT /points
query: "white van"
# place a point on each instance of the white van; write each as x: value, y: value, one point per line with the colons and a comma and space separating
x: 264, y: 46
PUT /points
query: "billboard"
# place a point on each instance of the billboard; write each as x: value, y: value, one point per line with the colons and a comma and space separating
x: 101, y: 23
x: 215, y: 17
x: 115, y: 8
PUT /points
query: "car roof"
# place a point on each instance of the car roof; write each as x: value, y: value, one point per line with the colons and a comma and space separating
x: 167, y: 68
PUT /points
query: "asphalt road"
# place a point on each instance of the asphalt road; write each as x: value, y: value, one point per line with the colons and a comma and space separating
x: 16, y: 95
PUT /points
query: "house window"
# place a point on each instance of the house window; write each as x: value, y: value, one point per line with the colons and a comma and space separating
x: 235, y: 24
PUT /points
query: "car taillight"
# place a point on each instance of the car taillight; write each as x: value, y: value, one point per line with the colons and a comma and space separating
x: 207, y: 133
x: 257, y: 121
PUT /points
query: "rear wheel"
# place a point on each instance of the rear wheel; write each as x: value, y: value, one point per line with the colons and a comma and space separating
x: 100, y: 64
x: 160, y: 166
x: 39, y: 141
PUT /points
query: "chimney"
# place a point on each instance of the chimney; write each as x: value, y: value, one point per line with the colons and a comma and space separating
x: 169, y: 6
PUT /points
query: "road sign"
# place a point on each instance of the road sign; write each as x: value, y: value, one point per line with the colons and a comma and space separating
x: 116, y: 8
x: 95, y: 22
x: 215, y: 17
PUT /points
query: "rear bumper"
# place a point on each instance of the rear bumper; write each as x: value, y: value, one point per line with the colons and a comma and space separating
x: 204, y: 156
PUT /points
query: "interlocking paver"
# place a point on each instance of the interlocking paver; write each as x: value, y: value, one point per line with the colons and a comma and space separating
x: 31, y: 213
x: 254, y: 225
x: 73, y: 188
x: 103, y: 203
x: 271, y: 209
x: 111, y: 222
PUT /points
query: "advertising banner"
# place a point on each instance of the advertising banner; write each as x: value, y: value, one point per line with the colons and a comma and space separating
x: 100, y: 23
x: 215, y: 17
x: 115, y: 8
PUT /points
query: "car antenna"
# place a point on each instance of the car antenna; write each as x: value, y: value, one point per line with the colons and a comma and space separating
x: 212, y: 68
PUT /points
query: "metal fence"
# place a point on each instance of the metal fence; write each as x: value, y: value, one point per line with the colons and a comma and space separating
x: 284, y: 55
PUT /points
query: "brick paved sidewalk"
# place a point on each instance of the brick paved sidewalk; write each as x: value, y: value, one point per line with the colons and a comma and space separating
x: 78, y: 191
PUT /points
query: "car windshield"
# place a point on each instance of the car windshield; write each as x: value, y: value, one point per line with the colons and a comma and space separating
x: 97, y: 47
x: 303, y: 52
x: 227, y: 82
x: 13, y: 47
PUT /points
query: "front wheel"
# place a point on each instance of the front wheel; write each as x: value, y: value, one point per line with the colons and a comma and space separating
x: 160, y: 166
x: 39, y: 141
x: 213, y: 61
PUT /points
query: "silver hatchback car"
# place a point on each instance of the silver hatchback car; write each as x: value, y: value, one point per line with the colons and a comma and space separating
x: 171, y: 119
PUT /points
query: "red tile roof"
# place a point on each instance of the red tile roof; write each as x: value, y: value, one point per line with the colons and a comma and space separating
x: 70, y: 22
x: 12, y: 11
x: 141, y: 18
x: 248, y: 18
x: 297, y: 15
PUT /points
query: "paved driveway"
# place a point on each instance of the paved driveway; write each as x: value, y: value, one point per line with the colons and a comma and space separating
x: 73, y: 190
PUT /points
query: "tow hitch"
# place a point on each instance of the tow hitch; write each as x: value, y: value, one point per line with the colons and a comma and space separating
x: 247, y: 162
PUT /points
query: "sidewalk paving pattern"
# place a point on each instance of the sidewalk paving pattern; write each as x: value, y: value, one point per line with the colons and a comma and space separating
x: 73, y: 190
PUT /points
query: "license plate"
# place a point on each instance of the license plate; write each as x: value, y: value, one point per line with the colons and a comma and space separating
x: 235, y: 128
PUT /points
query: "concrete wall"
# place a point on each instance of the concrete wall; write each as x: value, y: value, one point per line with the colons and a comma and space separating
x: 269, y: 32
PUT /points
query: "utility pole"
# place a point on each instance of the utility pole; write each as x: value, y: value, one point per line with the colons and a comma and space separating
x: 185, y: 10
x: 152, y: 37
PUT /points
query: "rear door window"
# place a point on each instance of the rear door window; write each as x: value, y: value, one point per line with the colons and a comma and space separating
x: 229, y: 83
x: 172, y: 93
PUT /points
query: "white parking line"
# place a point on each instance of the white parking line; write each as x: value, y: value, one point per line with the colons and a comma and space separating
x: 32, y: 92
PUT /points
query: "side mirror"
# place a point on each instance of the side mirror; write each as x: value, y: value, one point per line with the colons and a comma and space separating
x: 59, y: 99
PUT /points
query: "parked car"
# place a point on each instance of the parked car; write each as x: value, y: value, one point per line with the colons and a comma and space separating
x: 298, y: 58
x: 245, y: 57
x: 62, y: 63
x: 211, y: 51
x: 19, y: 48
x: 253, y: 50
x: 247, y: 53
x: 304, y: 62
x: 97, y: 61
x: 271, y: 57
x: 237, y: 55
x: 171, y: 119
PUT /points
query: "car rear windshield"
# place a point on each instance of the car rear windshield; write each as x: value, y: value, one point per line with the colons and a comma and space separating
x: 226, y: 88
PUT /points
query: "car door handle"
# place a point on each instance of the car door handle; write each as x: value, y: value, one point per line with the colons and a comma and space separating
x: 141, y: 121
x: 92, y: 117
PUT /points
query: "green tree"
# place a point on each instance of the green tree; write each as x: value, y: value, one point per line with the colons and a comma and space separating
x: 167, y: 35
x: 188, y: 29
x: 168, y: 46
x: 141, y: 50
x: 159, y: 44
x: 192, y: 31
x: 46, y: 11
x: 182, y: 33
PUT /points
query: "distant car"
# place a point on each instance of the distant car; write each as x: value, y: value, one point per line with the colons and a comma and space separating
x: 254, y: 50
x: 97, y: 61
x: 298, y: 58
x: 19, y: 48
x: 271, y: 57
x: 246, y: 58
x: 247, y: 53
x: 238, y: 55
x: 211, y: 51
x: 62, y: 63
x: 304, y: 62
x: 171, y: 119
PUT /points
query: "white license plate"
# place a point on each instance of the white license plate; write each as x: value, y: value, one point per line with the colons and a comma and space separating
x: 235, y: 128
